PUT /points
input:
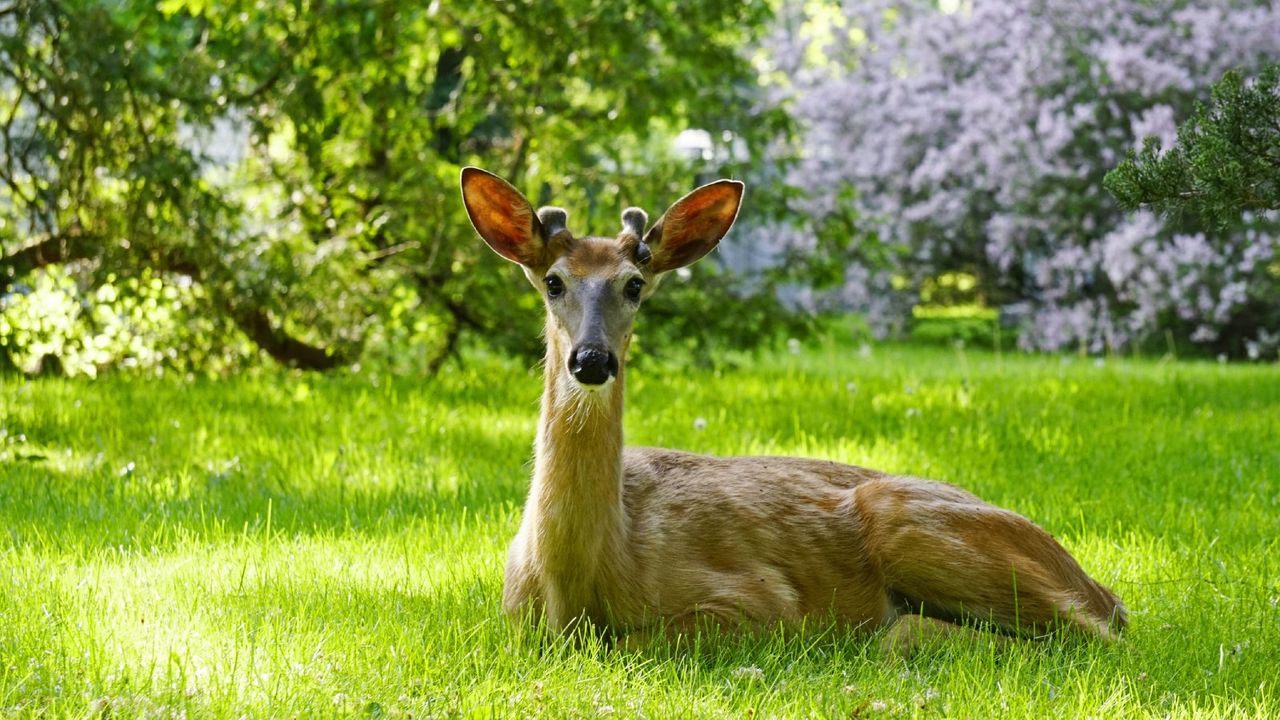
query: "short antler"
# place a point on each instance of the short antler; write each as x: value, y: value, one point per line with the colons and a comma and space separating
x: 633, y: 221
x: 555, y: 221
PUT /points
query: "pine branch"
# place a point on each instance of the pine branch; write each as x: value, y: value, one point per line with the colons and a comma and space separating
x: 1226, y: 160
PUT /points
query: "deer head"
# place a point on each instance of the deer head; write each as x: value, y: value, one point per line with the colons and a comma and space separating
x: 593, y: 286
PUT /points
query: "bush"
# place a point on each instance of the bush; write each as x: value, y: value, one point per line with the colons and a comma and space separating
x: 976, y: 141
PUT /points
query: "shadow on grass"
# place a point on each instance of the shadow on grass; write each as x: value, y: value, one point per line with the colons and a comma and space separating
x: 99, y: 471
x: 126, y: 462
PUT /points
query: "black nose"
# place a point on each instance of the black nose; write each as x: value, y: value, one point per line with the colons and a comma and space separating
x: 593, y: 365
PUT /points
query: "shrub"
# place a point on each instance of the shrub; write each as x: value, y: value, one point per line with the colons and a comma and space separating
x: 977, y: 140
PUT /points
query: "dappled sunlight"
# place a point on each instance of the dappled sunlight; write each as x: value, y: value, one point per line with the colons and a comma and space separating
x: 198, y: 461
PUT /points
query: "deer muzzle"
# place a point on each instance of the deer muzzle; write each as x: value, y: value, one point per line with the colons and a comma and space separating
x: 593, y: 364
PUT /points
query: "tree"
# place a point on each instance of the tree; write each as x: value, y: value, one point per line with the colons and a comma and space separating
x: 326, y: 225
x: 1226, y: 160
x: 976, y: 141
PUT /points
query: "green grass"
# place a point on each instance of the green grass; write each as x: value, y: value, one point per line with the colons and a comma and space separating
x: 298, y: 546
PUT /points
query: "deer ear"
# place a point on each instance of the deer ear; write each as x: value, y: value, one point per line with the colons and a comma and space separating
x: 694, y: 225
x: 502, y: 216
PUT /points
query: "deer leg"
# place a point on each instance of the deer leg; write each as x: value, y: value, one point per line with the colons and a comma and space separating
x: 946, y: 554
x: 911, y: 632
x: 675, y: 630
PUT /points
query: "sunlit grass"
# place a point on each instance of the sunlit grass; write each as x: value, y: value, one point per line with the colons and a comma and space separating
x: 332, y: 546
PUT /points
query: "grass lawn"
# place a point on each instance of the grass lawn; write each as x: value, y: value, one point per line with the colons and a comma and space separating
x: 298, y: 546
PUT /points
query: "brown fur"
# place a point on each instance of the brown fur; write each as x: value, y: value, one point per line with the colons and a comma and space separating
x: 759, y: 540
x: 597, y: 256
x: 643, y: 538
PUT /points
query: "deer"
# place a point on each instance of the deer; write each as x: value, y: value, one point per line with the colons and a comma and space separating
x: 638, y: 542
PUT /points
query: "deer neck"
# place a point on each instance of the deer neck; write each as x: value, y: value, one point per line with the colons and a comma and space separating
x: 575, y: 501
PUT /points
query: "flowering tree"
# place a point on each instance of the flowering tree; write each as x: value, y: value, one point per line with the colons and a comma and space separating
x: 977, y: 140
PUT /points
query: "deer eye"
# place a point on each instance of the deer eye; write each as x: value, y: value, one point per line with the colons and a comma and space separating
x: 632, y: 289
x: 555, y: 286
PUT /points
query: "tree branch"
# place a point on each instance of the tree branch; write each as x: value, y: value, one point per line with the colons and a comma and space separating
x: 449, y: 350
x: 282, y: 347
x: 65, y: 247
x: 256, y: 323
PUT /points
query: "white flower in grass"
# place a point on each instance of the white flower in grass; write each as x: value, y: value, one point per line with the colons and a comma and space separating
x: 700, y: 423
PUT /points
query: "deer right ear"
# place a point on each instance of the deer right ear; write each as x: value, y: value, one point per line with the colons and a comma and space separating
x: 503, y: 217
x: 694, y: 225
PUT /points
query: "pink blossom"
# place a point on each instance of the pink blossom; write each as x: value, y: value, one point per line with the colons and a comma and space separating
x: 978, y: 140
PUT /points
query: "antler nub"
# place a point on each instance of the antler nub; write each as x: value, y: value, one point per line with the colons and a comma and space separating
x: 554, y: 221
x: 633, y: 221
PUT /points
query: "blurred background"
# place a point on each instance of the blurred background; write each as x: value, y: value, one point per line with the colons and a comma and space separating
x: 207, y: 187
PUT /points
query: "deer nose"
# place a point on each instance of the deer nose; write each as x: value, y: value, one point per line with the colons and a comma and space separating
x: 592, y: 365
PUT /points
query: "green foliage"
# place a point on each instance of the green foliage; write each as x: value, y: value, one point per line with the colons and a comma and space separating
x: 958, y: 325
x: 53, y: 327
x: 697, y: 317
x: 332, y: 546
x: 1225, y: 162
x: 298, y: 161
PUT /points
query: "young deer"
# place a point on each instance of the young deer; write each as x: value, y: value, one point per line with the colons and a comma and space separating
x: 641, y: 538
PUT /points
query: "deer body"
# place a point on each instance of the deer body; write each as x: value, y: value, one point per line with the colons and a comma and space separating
x: 644, y: 538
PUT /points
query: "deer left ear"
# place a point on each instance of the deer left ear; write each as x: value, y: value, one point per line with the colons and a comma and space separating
x: 503, y: 217
x: 694, y: 225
